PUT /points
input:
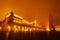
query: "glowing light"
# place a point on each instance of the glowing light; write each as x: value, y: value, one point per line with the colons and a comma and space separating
x: 18, y: 16
x: 26, y: 29
x: 47, y: 29
x: 9, y: 29
x: 24, y: 21
x: 18, y: 28
x: 22, y: 29
x: 35, y: 23
x: 15, y: 28
x: 34, y: 29
x: 30, y: 29
x: 41, y: 29
x: 14, y: 20
x: 8, y: 15
x: 57, y: 29
x: 51, y: 28
x: 0, y: 28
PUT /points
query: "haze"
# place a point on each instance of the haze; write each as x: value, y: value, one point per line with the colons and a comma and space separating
x: 32, y: 9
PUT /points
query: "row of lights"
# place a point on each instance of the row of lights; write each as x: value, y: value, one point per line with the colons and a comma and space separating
x: 15, y: 28
x: 21, y: 28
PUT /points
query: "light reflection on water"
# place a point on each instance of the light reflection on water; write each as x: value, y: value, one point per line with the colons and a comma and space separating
x: 22, y: 35
x: 7, y: 34
x: 10, y: 35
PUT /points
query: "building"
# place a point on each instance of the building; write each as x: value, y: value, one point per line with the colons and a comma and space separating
x: 13, y: 22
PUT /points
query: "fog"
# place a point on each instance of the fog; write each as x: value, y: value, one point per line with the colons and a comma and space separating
x: 32, y: 9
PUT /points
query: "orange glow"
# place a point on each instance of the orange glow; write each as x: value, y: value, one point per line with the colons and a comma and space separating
x: 30, y: 29
x: 24, y: 21
x: 15, y: 28
x: 8, y: 15
x: 26, y: 9
x: 41, y: 29
x: 35, y: 23
x: 9, y: 29
x: 18, y: 16
x: 18, y: 28
x: 34, y: 29
x: 47, y: 29
x: 14, y: 21
x: 22, y: 29
x: 26, y: 29
x: 0, y: 28
x: 57, y: 29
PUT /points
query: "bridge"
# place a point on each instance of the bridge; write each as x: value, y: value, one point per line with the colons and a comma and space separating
x: 13, y: 22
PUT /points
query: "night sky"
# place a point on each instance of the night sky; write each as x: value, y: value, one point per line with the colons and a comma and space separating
x: 32, y: 9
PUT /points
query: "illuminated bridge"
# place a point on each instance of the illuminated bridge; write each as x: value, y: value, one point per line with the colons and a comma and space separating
x: 16, y: 23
